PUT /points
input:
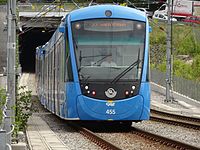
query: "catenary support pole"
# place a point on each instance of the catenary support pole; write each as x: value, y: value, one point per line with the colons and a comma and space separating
x: 11, y: 58
x: 168, y: 54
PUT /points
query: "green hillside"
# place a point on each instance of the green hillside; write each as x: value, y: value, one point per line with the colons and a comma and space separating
x: 185, y: 49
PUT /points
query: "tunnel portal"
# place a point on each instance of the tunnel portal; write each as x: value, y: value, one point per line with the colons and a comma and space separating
x: 33, y: 32
x: 27, y: 46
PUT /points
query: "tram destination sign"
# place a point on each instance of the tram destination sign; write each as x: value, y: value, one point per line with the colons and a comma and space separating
x: 108, y: 25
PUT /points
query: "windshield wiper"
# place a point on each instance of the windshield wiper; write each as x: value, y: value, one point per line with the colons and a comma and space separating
x: 105, y: 56
x: 80, y: 59
x: 119, y: 76
x: 115, y: 67
x: 85, y: 79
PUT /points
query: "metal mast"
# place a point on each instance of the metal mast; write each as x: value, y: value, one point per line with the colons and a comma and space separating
x: 11, y: 58
x: 168, y: 54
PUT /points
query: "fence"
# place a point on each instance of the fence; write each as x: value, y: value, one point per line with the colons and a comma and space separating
x: 196, y: 33
x: 5, y: 128
x: 186, y: 87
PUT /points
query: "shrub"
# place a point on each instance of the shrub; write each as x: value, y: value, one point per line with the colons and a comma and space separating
x: 23, y: 109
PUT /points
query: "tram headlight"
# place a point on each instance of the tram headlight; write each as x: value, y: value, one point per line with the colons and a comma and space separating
x: 86, y: 87
x: 131, y: 92
x: 133, y: 87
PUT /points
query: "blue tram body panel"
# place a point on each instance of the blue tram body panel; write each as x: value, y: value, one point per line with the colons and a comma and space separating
x: 99, y: 12
x: 83, y: 97
x: 85, y: 108
x: 145, y: 92
x: 91, y: 109
x: 71, y: 95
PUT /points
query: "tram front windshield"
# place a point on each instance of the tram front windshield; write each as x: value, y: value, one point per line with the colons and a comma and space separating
x: 109, y: 48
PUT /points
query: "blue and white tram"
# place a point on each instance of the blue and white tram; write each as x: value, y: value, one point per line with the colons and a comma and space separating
x: 73, y: 83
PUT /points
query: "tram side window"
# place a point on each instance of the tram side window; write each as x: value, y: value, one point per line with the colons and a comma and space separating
x: 68, y: 65
x: 62, y: 65
x: 148, y: 72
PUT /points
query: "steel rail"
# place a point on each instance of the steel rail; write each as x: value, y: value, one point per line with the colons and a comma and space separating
x: 184, y: 121
x: 95, y: 138
x: 164, y: 140
x: 176, y: 122
x: 175, y: 116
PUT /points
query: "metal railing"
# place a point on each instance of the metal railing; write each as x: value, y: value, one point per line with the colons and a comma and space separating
x: 5, y: 127
x: 183, y: 86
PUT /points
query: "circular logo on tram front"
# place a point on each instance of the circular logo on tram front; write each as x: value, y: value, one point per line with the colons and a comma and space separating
x: 110, y: 93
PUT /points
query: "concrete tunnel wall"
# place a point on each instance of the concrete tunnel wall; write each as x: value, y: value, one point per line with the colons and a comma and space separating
x: 28, y: 42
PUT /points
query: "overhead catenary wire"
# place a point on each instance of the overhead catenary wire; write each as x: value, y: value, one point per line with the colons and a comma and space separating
x: 37, y: 18
x: 75, y: 4
x: 37, y: 15
x: 41, y: 15
x: 91, y: 3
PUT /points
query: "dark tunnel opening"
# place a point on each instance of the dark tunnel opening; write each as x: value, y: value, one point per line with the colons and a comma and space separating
x: 28, y: 42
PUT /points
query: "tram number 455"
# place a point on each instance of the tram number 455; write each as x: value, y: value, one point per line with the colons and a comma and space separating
x: 110, y: 111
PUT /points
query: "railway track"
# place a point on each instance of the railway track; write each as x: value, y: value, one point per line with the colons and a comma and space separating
x: 117, y: 143
x: 174, y: 119
x: 118, y: 136
x: 165, y: 141
x: 104, y: 144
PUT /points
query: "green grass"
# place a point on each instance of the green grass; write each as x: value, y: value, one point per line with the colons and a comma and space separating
x: 184, y: 42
